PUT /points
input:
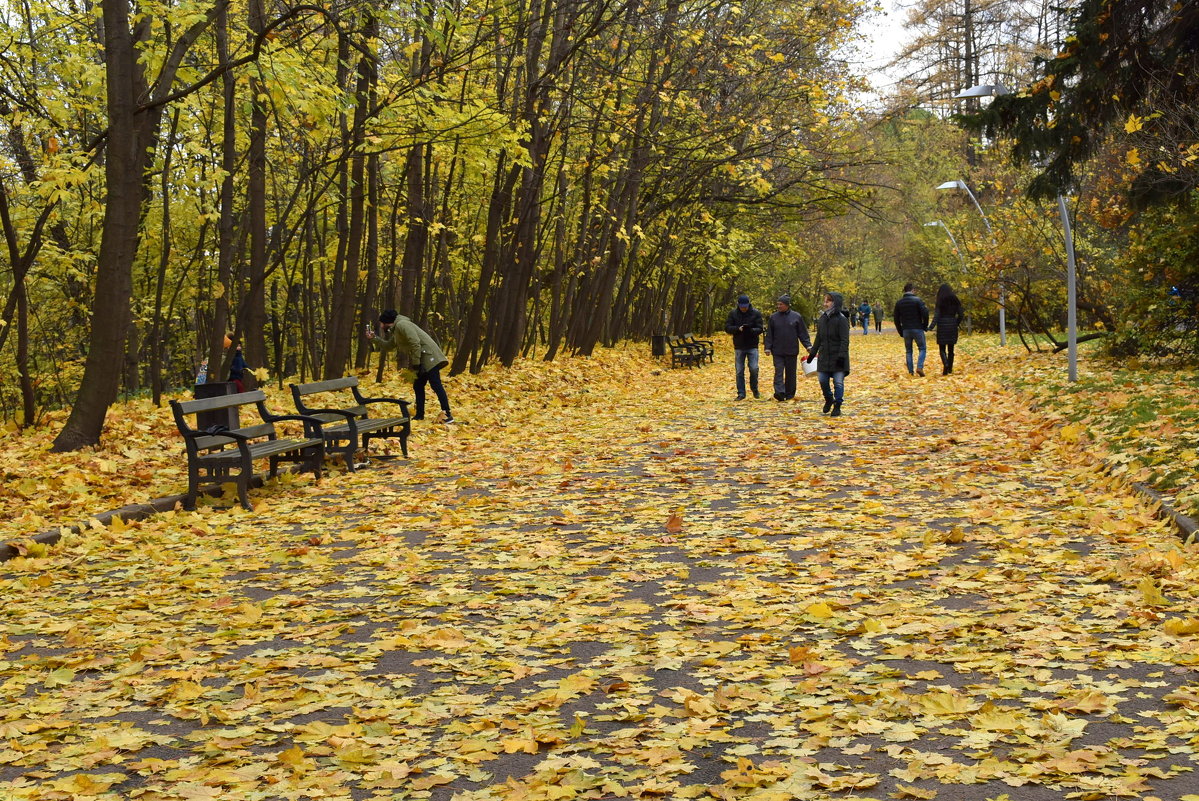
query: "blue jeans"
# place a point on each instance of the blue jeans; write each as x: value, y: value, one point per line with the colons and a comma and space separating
x: 743, y: 356
x: 433, y: 379
x: 836, y: 393
x: 916, y: 335
x: 865, y: 324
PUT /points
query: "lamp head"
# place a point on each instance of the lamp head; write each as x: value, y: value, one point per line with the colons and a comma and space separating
x: 982, y: 90
x: 952, y: 185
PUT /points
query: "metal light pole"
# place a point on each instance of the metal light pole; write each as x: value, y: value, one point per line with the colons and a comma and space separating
x: 1002, y: 291
x: 995, y: 90
x: 949, y: 233
x: 1071, y: 295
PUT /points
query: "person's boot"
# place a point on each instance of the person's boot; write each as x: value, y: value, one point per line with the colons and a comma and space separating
x: 836, y: 410
x: 828, y: 404
x: 753, y: 384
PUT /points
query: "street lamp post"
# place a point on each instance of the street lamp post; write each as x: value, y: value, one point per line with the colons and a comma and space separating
x: 949, y: 233
x: 1002, y: 290
x: 995, y: 90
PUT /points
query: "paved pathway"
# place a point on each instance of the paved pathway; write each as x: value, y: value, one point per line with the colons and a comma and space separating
x: 629, y: 585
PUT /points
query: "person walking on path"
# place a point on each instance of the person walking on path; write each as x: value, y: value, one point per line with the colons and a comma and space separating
x: 864, y: 311
x: 745, y: 324
x: 785, y: 331
x: 947, y: 319
x: 424, y: 355
x: 911, y: 320
x: 831, y: 352
x: 878, y: 318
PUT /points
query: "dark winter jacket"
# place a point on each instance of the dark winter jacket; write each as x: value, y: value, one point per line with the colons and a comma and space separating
x: 910, y: 312
x: 831, y: 347
x: 947, y: 320
x: 864, y: 310
x: 751, y: 318
x: 784, y: 333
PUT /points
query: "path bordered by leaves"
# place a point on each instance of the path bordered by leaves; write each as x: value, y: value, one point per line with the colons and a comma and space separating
x: 615, y: 582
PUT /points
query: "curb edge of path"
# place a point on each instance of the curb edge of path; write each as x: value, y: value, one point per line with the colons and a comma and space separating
x: 1186, y: 525
x: 131, y: 512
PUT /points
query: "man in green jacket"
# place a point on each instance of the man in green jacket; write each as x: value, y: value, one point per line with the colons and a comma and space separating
x: 426, y: 358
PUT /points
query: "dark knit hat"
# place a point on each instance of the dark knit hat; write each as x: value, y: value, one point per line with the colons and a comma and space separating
x: 388, y: 316
x: 784, y: 299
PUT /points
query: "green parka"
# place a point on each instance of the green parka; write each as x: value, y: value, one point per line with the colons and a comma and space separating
x: 424, y: 354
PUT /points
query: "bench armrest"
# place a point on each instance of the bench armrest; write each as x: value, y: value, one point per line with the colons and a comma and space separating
x: 403, y: 404
x: 236, y: 436
x: 312, y: 425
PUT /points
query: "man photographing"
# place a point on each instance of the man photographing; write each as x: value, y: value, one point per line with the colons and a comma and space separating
x: 424, y: 355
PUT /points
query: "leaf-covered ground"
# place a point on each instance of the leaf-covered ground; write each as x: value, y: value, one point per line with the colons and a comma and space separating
x: 613, y: 581
x: 1143, y: 421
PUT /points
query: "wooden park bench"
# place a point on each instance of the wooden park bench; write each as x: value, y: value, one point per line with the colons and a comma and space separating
x: 348, y: 426
x: 215, y: 452
x: 683, y: 353
x: 706, y: 347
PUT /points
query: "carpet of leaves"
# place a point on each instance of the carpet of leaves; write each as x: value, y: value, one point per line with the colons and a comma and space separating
x: 1142, y: 420
x: 614, y: 581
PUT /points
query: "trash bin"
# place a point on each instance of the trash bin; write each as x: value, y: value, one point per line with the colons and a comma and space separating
x: 657, y: 344
x: 216, y: 417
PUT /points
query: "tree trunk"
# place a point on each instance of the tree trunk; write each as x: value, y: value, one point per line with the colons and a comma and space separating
x: 124, y: 170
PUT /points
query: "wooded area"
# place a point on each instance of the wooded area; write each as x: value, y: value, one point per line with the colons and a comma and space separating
x: 514, y: 176
x: 527, y: 177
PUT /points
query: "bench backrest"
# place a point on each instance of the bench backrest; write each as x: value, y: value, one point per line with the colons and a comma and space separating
x: 182, y: 409
x: 324, y: 386
x: 350, y: 382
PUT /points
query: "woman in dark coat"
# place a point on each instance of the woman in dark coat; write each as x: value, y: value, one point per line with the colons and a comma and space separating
x: 831, y: 349
x: 947, y: 318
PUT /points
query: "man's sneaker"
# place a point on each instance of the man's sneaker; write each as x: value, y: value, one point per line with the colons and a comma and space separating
x: 740, y: 397
x: 778, y: 396
x: 449, y: 418
x: 418, y: 417
x: 757, y: 394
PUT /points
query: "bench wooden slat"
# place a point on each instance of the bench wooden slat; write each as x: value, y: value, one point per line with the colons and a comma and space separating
x: 260, y: 450
x: 221, y: 401
x: 329, y: 385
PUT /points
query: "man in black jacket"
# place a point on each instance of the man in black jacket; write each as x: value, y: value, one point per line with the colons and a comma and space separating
x: 745, y: 324
x: 911, y: 321
x: 785, y: 330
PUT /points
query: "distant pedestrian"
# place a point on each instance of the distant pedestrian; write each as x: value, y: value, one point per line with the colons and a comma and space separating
x: 864, y: 316
x: 878, y: 318
x: 237, y: 370
x: 831, y: 352
x: 424, y: 354
x: 911, y: 320
x: 745, y: 324
x: 947, y: 319
x: 785, y: 332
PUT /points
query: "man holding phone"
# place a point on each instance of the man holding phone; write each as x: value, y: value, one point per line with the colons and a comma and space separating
x: 745, y: 324
x: 424, y: 355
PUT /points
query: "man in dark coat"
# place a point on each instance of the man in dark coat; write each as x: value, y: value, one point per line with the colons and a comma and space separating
x: 911, y: 320
x: 785, y: 331
x: 745, y: 324
x: 831, y: 352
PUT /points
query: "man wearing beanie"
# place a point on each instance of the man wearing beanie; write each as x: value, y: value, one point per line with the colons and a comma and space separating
x: 424, y: 355
x: 745, y: 324
x: 785, y: 331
